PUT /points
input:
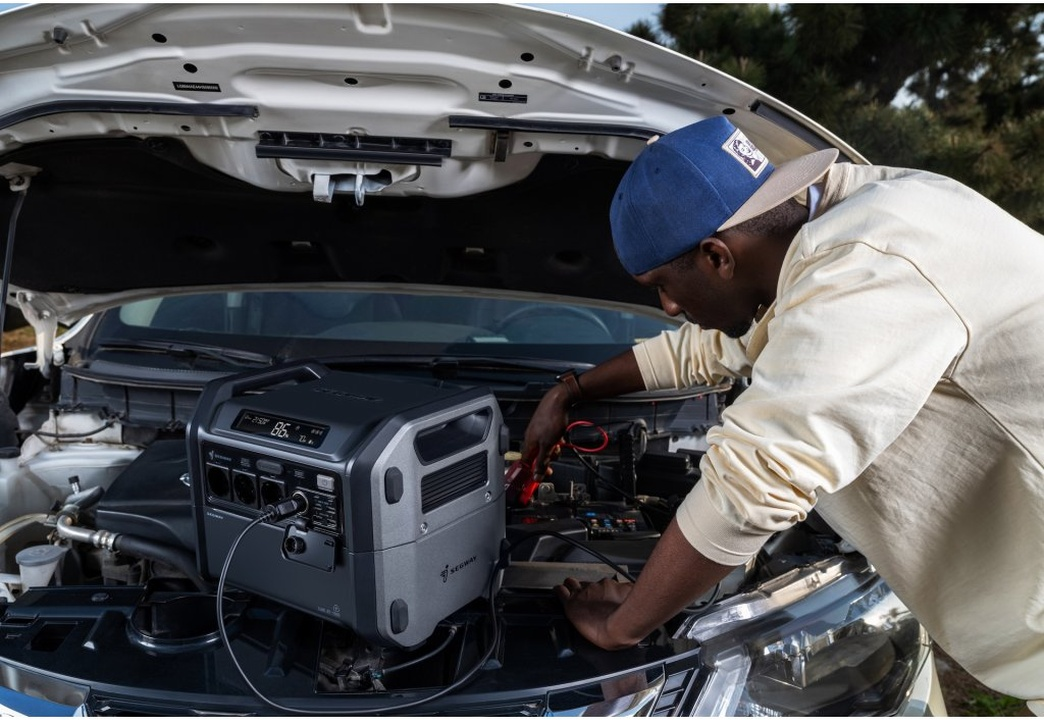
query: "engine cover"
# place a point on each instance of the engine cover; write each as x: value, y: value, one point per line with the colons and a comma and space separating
x: 403, y: 485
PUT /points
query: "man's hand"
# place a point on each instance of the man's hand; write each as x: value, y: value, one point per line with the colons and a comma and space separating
x: 616, y: 615
x: 616, y: 376
x: 546, y: 428
x: 589, y: 607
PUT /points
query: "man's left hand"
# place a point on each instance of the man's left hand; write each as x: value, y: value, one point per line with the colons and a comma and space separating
x: 589, y: 607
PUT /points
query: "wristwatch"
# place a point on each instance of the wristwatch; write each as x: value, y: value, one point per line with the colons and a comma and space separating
x: 571, y: 380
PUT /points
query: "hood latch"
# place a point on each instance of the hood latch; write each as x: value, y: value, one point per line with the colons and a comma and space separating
x: 324, y: 186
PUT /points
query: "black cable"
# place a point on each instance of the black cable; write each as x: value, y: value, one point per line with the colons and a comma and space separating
x: 689, y: 609
x: 576, y: 543
x: 694, y: 609
x: 75, y: 436
x: 603, y: 480
x: 432, y: 653
x: 452, y: 687
x: 9, y: 257
x: 612, y: 486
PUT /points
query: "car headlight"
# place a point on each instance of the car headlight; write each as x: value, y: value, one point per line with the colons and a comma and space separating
x: 25, y: 693
x: 828, y: 639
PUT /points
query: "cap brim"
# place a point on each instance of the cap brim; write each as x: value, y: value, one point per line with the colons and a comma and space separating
x: 786, y: 181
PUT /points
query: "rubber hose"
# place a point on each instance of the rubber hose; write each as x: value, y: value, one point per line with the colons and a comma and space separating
x: 10, y: 527
x: 175, y: 557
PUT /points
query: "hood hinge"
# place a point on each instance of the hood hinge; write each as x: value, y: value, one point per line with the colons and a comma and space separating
x: 44, y: 319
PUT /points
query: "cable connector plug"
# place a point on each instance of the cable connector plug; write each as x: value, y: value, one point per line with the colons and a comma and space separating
x: 287, y: 507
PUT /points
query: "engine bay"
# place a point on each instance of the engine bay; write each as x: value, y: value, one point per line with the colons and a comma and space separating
x: 411, y: 561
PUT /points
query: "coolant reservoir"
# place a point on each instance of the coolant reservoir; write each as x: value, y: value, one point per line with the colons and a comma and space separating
x: 94, y: 465
x: 36, y: 564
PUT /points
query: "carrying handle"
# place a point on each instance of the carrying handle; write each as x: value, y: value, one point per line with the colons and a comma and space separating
x: 299, y: 371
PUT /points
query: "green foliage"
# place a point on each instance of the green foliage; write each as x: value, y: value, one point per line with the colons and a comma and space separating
x: 956, y: 89
x: 988, y: 704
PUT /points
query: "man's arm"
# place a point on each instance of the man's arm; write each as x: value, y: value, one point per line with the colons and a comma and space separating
x: 683, y: 357
x: 617, y: 376
x: 616, y: 615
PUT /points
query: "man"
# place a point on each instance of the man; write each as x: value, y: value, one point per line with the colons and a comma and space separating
x: 893, y: 330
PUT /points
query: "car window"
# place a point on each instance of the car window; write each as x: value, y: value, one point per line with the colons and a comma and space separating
x: 387, y: 317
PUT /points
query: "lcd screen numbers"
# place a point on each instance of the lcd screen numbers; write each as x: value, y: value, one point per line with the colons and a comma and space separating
x: 281, y: 428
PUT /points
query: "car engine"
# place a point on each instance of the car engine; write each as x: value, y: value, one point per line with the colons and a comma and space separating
x: 400, y: 549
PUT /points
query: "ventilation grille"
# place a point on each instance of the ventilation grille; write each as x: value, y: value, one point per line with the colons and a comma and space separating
x: 368, y: 148
x: 453, y: 482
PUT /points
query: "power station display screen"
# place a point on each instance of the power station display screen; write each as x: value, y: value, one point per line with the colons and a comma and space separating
x: 281, y: 428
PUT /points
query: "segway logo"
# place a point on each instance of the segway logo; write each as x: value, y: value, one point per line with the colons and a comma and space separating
x: 447, y: 571
x: 345, y: 395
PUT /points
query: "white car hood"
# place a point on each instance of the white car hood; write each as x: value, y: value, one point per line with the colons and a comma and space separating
x: 333, y: 104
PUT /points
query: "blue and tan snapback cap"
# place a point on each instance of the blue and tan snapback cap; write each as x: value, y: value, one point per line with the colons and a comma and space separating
x: 695, y: 181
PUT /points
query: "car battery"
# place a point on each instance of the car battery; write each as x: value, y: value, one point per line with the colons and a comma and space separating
x: 401, y: 480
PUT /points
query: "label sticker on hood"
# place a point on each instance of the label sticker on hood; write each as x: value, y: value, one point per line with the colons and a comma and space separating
x: 197, y: 86
x: 503, y: 97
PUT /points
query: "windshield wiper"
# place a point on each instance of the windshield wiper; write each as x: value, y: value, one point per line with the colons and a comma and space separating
x: 448, y: 366
x: 191, y: 351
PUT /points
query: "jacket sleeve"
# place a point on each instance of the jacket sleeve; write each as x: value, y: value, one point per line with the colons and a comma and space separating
x: 859, y: 340
x: 691, y: 356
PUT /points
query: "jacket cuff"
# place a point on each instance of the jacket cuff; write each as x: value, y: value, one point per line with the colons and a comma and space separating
x: 710, y: 531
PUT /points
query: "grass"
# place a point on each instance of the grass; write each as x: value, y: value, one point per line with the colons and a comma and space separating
x: 989, y: 704
x: 20, y: 338
x: 967, y: 697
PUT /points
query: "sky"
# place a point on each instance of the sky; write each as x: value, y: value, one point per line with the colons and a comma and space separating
x: 615, y: 15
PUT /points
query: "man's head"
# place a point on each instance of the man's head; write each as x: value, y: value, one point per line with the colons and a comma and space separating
x: 674, y: 204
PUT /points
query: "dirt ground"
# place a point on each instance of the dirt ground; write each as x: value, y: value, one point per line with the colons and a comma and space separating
x: 967, y: 697
x: 21, y: 338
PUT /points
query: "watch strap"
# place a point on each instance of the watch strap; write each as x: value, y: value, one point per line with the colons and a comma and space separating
x: 570, y: 379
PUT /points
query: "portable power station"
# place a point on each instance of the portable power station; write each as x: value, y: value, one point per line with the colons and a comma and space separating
x: 402, y: 483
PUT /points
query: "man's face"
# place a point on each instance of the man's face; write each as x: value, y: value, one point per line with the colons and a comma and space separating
x: 699, y: 295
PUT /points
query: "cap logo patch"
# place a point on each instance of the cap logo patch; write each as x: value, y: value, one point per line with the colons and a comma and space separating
x: 743, y: 150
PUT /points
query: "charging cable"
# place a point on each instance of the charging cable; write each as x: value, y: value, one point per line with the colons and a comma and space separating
x: 297, y: 504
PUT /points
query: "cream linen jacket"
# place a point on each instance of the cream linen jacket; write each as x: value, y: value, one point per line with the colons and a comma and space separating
x: 897, y: 384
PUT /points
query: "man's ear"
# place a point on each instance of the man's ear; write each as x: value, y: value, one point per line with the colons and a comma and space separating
x: 716, y: 257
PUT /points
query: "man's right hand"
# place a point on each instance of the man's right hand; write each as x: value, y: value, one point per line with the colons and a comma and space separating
x: 617, y: 376
x: 546, y: 427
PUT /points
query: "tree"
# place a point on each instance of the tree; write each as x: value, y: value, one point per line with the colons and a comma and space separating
x: 956, y: 89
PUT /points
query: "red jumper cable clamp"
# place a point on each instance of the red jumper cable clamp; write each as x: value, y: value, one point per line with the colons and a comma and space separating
x: 522, y: 479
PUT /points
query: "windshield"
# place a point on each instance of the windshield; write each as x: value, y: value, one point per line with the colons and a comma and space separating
x: 410, y: 322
